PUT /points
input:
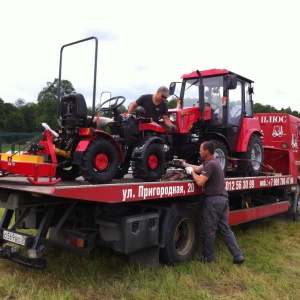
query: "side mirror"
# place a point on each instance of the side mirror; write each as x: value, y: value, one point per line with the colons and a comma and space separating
x: 230, y: 82
x: 251, y: 90
x: 172, y: 88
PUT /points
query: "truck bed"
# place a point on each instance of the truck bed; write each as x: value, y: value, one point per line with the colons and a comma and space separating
x: 130, y: 189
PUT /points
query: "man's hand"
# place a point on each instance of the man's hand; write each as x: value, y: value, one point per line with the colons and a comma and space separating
x: 179, y: 162
x: 174, y: 127
x: 189, y: 170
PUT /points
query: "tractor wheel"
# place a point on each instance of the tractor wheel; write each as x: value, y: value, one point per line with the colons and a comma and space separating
x: 183, y: 238
x: 221, y: 154
x: 251, y: 161
x: 100, y: 162
x: 122, y: 170
x: 69, y: 173
x: 151, y: 167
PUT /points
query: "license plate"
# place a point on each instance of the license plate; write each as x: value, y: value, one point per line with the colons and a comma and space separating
x: 14, y: 237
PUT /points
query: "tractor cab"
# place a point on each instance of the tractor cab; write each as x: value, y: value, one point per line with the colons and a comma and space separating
x: 215, y: 105
x: 221, y: 97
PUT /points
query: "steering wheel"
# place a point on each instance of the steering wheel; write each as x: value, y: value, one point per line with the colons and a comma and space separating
x: 113, y: 106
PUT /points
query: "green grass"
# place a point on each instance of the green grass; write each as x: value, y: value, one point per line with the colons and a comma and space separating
x: 271, y: 271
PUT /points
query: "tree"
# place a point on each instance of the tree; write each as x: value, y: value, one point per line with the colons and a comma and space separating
x: 19, y: 102
x: 172, y: 103
x: 5, y: 110
x: 47, y: 102
x: 15, y: 122
x: 29, y: 112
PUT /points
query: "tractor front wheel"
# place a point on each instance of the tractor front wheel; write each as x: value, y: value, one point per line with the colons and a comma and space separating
x: 151, y: 166
x: 221, y: 154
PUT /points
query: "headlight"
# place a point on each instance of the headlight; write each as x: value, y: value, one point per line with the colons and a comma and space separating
x: 173, y: 117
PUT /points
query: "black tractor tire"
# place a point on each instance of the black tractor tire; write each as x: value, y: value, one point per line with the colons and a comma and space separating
x: 69, y: 173
x: 183, y: 238
x: 221, y: 154
x: 251, y: 161
x: 152, y: 166
x: 100, y: 162
x: 122, y: 170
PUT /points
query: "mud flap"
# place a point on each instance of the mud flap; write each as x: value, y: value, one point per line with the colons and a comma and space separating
x: 148, y: 257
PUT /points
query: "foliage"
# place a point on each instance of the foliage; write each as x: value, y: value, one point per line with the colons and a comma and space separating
x: 47, y: 102
x: 172, y: 103
x: 28, y: 117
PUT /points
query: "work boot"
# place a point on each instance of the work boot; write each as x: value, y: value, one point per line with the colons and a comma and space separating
x: 238, y: 260
x: 205, y: 260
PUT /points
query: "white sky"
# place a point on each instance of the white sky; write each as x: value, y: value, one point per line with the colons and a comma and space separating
x: 146, y: 44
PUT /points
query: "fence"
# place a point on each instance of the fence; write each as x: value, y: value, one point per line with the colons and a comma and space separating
x: 15, y: 141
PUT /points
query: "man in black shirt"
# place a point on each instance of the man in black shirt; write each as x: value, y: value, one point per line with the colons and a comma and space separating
x: 215, y: 213
x: 155, y: 106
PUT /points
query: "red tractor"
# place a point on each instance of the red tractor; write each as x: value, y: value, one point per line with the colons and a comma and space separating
x: 80, y: 148
x: 217, y: 105
x: 144, y: 143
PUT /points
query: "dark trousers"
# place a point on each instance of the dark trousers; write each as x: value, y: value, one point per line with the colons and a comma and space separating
x: 215, y: 216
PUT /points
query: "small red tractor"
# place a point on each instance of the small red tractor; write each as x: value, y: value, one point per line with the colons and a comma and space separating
x: 217, y: 105
x: 80, y: 148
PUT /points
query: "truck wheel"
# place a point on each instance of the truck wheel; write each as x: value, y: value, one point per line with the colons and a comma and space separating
x: 151, y: 167
x: 252, y: 160
x: 221, y: 154
x: 183, y: 240
x: 69, y: 173
x: 100, y: 162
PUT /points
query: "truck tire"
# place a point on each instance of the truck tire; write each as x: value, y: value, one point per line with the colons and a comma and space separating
x: 68, y: 173
x: 251, y: 161
x: 221, y: 154
x: 100, y: 162
x: 151, y: 166
x: 183, y: 238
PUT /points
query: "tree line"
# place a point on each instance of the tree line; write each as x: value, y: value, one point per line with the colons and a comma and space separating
x: 28, y: 117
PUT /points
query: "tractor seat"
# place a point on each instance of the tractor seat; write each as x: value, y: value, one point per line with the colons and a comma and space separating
x: 73, y: 111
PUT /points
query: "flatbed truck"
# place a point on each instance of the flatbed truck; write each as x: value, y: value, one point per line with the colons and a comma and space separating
x: 150, y: 222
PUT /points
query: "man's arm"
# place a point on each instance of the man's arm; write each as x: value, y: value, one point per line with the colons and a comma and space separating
x: 167, y: 121
x: 197, y: 169
x: 199, y: 179
x: 132, y: 107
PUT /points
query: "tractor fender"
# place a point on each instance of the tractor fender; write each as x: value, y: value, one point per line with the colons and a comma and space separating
x: 249, y: 127
x: 141, y: 147
x: 83, y: 144
x: 219, y: 137
x: 242, y: 145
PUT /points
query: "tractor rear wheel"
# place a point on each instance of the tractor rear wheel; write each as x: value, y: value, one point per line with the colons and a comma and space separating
x: 251, y: 161
x: 100, y: 162
x: 151, y: 167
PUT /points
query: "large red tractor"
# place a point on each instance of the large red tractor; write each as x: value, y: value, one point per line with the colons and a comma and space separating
x: 217, y: 105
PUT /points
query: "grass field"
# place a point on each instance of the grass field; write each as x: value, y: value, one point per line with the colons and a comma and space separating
x: 271, y: 271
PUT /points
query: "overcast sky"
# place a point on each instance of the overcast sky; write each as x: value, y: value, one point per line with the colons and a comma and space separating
x: 146, y: 44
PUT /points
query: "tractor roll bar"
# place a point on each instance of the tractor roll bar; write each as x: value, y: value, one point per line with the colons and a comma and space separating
x: 95, y: 70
